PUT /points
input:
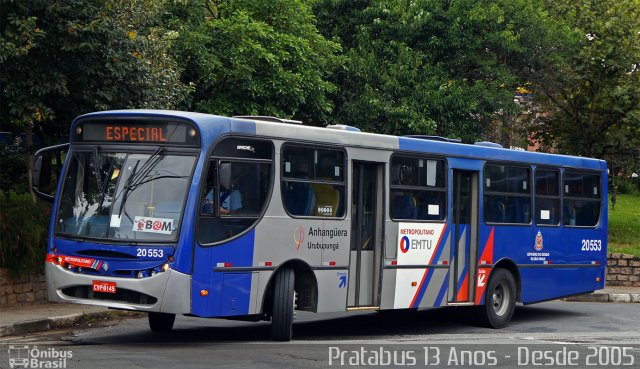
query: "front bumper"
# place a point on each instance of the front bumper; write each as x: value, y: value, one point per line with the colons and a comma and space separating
x: 167, y: 292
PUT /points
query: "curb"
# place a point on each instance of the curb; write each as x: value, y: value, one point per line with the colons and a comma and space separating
x: 605, y: 297
x: 62, y: 321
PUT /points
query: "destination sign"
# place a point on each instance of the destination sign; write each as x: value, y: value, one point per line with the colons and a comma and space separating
x: 130, y: 131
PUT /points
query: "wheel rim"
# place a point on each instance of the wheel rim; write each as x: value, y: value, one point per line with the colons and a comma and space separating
x: 501, y: 298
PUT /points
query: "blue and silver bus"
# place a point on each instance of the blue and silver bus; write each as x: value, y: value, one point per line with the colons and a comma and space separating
x: 255, y: 218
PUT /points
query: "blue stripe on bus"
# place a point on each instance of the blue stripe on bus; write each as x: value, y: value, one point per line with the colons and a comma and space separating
x: 229, y: 293
x: 463, y: 274
x: 443, y: 291
x: 424, y: 286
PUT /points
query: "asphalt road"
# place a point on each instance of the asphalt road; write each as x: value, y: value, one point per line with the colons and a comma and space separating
x: 553, y: 334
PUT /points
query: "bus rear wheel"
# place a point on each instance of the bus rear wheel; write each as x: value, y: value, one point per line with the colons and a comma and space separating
x: 283, y: 306
x: 161, y: 322
x: 500, y: 300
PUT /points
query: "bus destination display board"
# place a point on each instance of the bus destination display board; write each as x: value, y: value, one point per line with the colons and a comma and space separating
x: 135, y: 131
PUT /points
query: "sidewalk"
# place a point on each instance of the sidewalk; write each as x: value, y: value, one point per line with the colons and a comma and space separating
x: 609, y: 294
x: 43, y: 317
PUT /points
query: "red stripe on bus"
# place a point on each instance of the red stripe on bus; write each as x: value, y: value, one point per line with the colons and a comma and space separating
x: 426, y: 272
x: 463, y: 293
x: 487, y: 257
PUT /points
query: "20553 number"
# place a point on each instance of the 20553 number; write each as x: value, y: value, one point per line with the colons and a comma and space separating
x: 150, y: 253
x: 591, y: 245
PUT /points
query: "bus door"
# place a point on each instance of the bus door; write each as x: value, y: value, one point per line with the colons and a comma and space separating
x: 465, y: 230
x: 366, y: 234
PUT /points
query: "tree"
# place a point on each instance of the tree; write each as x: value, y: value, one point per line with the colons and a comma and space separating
x: 432, y: 66
x: 63, y: 58
x: 591, y: 95
x: 253, y: 57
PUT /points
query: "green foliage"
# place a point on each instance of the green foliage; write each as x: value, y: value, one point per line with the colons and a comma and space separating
x: 432, y: 66
x: 627, y: 186
x: 13, y: 158
x: 255, y: 57
x: 590, y: 91
x: 23, y: 233
x: 624, y: 225
x: 63, y: 58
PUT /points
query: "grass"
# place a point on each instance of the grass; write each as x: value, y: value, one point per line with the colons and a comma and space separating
x: 624, y: 225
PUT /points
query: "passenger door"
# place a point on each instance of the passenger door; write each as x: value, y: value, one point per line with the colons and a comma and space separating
x: 465, y: 230
x: 366, y: 234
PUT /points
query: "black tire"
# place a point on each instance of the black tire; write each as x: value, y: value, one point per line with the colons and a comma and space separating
x: 161, y: 322
x: 282, y: 312
x: 499, y: 301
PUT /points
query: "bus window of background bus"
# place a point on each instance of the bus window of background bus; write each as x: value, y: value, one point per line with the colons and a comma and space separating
x: 581, y: 199
x: 507, y: 194
x: 547, y: 197
x: 237, y: 186
x: 313, y: 181
x: 418, y: 189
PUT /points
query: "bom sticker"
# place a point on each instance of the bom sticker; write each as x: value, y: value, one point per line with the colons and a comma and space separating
x: 153, y: 225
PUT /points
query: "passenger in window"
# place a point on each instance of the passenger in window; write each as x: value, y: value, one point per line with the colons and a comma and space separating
x: 230, y: 197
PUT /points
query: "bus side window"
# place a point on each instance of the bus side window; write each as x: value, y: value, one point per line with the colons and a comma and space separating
x: 547, y: 196
x: 313, y: 181
x: 235, y: 190
x: 418, y: 188
x: 582, y: 194
x: 507, y: 194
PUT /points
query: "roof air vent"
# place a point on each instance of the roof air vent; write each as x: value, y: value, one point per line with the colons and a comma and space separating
x: 488, y: 144
x: 268, y: 119
x: 435, y: 138
x: 344, y: 127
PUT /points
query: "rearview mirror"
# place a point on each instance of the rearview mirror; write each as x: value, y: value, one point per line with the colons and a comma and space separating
x: 47, y: 165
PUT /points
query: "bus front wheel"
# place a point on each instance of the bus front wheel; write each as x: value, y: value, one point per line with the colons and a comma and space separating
x: 500, y: 300
x: 283, y: 306
x: 161, y: 322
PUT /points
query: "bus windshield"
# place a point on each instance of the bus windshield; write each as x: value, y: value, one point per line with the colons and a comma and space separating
x: 124, y: 196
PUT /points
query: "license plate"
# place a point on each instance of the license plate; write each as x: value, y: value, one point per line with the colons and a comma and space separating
x: 104, y: 286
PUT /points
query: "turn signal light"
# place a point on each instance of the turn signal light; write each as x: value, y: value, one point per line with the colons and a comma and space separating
x: 204, y: 292
x: 413, y: 284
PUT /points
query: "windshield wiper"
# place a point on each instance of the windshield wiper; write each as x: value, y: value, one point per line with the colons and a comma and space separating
x: 98, y: 166
x: 135, y: 177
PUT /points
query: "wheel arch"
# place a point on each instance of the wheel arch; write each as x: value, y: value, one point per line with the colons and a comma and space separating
x: 510, y: 265
x: 305, y: 285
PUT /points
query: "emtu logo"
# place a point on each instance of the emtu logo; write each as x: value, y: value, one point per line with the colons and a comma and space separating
x: 404, y: 244
x: 298, y: 236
